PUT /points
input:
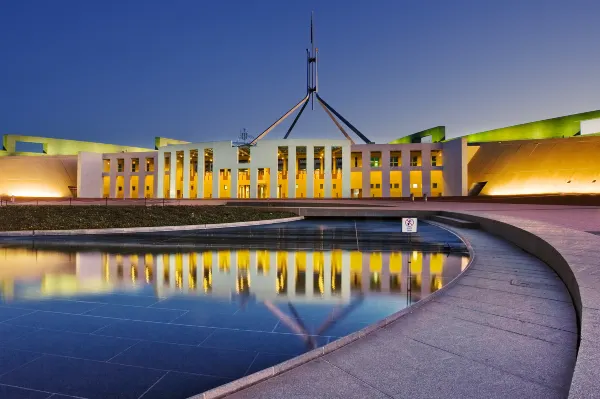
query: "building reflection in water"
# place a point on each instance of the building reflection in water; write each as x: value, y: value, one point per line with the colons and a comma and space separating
x: 265, y: 274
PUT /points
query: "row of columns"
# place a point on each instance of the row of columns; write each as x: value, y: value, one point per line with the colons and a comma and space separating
x: 234, y: 167
x: 385, y: 170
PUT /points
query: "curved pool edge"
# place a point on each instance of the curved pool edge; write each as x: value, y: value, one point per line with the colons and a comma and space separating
x: 262, y: 375
x: 573, y: 255
x: 134, y: 230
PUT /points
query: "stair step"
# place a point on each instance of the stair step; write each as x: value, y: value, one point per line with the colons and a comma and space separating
x: 465, y: 224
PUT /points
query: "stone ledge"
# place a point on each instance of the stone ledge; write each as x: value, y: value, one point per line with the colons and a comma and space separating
x: 134, y: 230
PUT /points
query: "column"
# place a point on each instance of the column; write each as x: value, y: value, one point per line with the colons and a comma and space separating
x: 216, y: 182
x: 385, y: 174
x: 310, y: 171
x: 426, y: 169
x: 127, y: 177
x: 112, y: 188
x: 159, y: 177
x: 327, y: 178
x: 173, y: 175
x: 186, y: 173
x: 200, y: 172
x: 406, y: 172
x: 233, y: 181
x: 346, y: 171
x: 253, y: 172
x: 291, y: 171
x: 366, y: 174
x: 273, y: 175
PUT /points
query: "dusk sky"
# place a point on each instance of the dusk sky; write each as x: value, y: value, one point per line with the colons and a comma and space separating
x: 124, y: 71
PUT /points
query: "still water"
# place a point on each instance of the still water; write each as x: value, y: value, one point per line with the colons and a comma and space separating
x: 154, y: 324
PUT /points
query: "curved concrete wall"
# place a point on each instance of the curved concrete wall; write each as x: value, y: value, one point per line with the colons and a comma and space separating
x: 575, y: 256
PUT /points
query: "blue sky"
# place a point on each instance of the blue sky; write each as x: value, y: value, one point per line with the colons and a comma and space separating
x: 124, y: 71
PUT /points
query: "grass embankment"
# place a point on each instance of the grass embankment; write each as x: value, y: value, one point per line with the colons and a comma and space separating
x: 57, y: 217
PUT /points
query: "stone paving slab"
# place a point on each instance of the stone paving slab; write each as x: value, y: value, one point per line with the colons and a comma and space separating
x: 467, y: 342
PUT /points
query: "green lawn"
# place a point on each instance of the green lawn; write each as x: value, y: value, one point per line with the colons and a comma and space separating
x: 57, y: 217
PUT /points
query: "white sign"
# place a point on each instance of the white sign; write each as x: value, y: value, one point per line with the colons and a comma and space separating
x: 409, y: 225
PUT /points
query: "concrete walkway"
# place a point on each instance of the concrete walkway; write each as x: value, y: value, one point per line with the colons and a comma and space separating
x: 507, y: 329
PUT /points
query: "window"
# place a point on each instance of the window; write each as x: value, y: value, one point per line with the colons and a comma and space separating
x: 120, y: 165
x: 120, y: 188
x: 433, y: 160
x: 225, y: 187
x: 132, y: 188
x: 356, y: 162
x: 393, y: 161
x: 135, y: 165
x: 334, y: 186
x: 391, y: 185
x: 377, y: 185
x: 375, y: 159
x: 371, y: 185
x: 321, y: 186
x: 434, y: 185
x: 396, y: 185
x: 106, y: 167
x: 192, y: 187
x: 414, y: 161
x: 149, y: 164
x: 415, y: 185
x: 147, y: 187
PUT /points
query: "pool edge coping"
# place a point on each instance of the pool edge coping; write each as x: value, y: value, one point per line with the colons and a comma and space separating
x: 265, y: 374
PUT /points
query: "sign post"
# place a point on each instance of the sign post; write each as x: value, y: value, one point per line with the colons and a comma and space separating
x: 409, y: 225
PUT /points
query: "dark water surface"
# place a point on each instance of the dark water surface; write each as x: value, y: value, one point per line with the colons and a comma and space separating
x: 170, y: 316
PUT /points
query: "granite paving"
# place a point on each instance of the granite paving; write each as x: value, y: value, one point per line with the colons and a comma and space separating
x: 506, y: 329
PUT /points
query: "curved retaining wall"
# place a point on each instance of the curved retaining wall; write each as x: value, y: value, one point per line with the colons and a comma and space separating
x: 575, y: 257
x: 134, y: 230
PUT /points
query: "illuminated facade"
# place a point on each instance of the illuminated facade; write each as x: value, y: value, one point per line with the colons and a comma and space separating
x: 289, y: 168
x: 552, y: 156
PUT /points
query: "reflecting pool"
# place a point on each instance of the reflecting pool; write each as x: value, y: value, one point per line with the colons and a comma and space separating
x: 145, y: 321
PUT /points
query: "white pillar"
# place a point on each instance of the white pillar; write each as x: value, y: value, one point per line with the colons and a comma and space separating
x: 216, y: 182
x: 346, y: 171
x: 310, y: 171
x: 385, y: 173
x: 426, y: 170
x: 253, y: 181
x: 113, y: 178
x: 233, y: 182
x: 126, y: 177
x: 291, y: 171
x: 327, y: 179
x: 159, y: 179
x: 173, y: 175
x: 273, y: 179
x: 200, y: 172
x: 366, y: 174
x: 406, y: 172
x: 186, y: 173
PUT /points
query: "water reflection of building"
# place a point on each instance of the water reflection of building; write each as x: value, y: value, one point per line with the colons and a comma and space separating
x: 299, y: 275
